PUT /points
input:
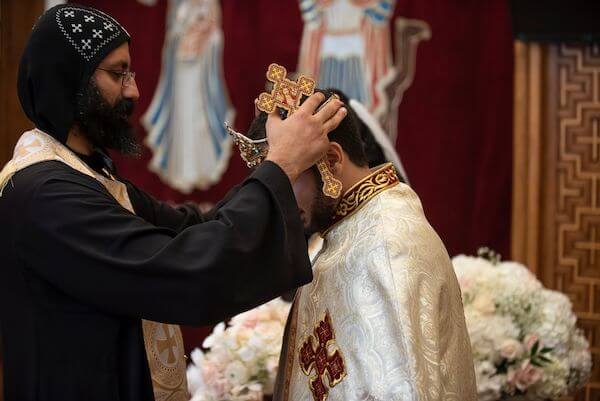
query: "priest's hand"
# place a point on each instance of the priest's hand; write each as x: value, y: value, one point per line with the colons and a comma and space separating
x: 300, y: 141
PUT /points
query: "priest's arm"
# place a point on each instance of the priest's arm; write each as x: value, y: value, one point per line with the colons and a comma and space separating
x: 248, y: 251
x: 175, y: 217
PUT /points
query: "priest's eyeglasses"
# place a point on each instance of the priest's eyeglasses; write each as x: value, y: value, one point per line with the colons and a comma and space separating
x: 127, y: 77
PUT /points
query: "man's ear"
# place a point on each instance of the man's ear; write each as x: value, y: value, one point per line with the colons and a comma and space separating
x: 335, y: 158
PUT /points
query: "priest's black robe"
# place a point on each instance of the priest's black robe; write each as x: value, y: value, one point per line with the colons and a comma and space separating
x: 78, y: 272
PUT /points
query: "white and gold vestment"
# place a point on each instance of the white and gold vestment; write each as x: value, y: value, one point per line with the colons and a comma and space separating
x: 383, y: 318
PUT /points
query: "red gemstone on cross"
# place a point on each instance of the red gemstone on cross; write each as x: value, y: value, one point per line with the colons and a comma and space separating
x: 288, y: 95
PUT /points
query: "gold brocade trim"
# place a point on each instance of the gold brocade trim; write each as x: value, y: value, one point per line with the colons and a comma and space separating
x: 291, y: 347
x: 164, y: 349
x: 359, y: 194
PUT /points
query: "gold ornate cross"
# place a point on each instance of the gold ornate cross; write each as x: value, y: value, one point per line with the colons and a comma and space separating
x: 287, y: 94
x: 321, y: 361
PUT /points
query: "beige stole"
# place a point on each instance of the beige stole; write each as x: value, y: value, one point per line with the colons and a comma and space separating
x: 163, y: 342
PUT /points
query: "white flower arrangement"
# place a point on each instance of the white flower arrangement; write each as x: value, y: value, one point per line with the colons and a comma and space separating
x: 240, y: 363
x: 524, y: 339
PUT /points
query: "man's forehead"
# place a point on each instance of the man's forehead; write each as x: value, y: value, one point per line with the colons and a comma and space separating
x: 119, y: 57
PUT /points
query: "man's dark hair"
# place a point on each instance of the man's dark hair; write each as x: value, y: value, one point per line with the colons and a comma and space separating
x: 373, y: 150
x: 347, y: 134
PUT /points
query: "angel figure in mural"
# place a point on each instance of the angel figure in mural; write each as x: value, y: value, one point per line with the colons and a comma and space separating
x: 347, y: 45
x: 185, y: 119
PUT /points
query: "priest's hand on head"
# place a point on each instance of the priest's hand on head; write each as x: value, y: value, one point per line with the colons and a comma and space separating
x: 300, y: 141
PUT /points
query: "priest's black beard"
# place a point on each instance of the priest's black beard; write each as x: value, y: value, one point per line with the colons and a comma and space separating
x: 323, y: 208
x: 106, y: 126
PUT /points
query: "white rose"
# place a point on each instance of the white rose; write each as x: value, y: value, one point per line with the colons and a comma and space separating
x: 256, y: 342
x: 484, y: 304
x: 215, y: 336
x: 236, y: 373
x: 485, y: 368
x: 490, y: 388
x: 200, y: 397
x: 272, y: 365
x: 243, y: 335
x: 195, y: 380
x: 231, y: 342
x: 247, y: 354
x: 197, y: 357
x: 511, y: 349
x: 269, y: 330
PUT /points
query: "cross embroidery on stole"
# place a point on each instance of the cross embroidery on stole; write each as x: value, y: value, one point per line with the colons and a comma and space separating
x: 321, y: 361
x: 169, y: 344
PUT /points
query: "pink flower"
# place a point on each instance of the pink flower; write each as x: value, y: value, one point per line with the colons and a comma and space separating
x: 213, y: 378
x: 464, y: 282
x: 250, y: 323
x: 525, y: 376
x: 252, y: 317
x: 530, y: 341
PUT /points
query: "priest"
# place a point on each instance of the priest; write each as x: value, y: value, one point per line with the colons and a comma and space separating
x: 94, y: 272
x: 382, y: 319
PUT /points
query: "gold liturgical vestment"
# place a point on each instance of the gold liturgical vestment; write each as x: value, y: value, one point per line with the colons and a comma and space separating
x: 163, y: 342
x: 383, y: 318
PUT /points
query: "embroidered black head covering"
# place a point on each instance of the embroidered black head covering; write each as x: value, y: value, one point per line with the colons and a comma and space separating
x: 66, y: 45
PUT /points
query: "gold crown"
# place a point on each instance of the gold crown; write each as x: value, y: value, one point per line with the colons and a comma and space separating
x: 286, y: 95
x: 253, y: 152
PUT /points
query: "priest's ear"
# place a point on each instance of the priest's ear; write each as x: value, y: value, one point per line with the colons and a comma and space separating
x: 335, y: 158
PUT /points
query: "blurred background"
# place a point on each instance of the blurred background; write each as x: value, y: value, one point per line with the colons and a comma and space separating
x: 493, y: 106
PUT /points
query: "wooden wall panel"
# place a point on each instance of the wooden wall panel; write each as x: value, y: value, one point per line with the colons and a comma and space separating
x: 16, y: 19
x: 526, y: 153
x: 574, y: 120
x: 556, y: 220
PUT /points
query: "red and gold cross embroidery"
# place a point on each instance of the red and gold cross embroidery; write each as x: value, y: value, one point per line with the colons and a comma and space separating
x: 286, y: 93
x: 321, y: 361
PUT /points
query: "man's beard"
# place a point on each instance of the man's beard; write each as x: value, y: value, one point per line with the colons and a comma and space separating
x: 106, y: 126
x: 323, y: 208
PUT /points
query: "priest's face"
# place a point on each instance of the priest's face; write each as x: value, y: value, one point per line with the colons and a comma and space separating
x: 316, y: 209
x: 108, y: 102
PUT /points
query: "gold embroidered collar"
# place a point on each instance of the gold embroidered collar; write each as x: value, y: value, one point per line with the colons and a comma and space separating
x: 384, y: 177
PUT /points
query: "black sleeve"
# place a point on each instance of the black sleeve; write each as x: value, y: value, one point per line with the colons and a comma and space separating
x: 162, y: 214
x: 77, y: 237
